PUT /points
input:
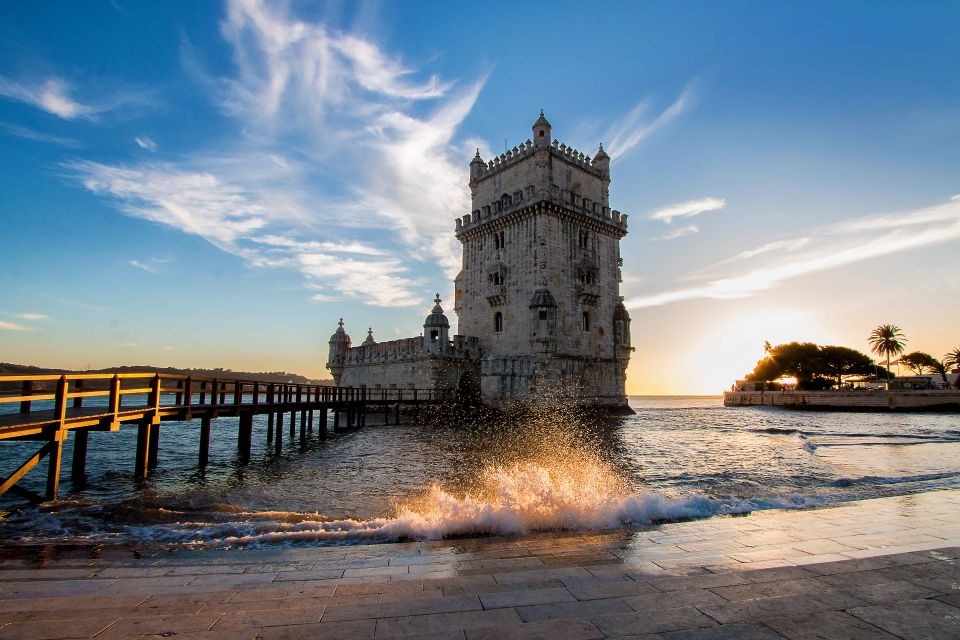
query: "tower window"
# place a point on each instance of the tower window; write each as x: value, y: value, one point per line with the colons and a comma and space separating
x: 585, y: 322
x: 584, y: 240
x: 434, y: 335
x: 498, y: 240
x: 541, y: 133
x: 498, y: 322
x: 543, y: 314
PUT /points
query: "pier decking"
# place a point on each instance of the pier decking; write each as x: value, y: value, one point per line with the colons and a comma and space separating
x: 81, y: 403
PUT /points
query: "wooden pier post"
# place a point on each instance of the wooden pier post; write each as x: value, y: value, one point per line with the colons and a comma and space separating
x: 270, y: 413
x: 56, y: 439
x: 293, y: 424
x: 204, y: 440
x: 143, y: 449
x: 245, y: 436
x: 336, y: 419
x: 78, y: 470
x: 396, y: 419
x: 154, y: 446
x: 278, y: 443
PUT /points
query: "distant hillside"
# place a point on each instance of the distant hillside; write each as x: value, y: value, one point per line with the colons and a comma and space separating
x: 9, y: 369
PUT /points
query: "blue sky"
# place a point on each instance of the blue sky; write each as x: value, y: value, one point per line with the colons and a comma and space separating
x: 214, y: 184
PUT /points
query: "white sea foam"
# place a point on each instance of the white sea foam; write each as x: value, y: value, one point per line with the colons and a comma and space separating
x: 507, y: 501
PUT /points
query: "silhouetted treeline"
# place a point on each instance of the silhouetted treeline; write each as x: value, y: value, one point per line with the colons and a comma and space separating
x: 7, y: 369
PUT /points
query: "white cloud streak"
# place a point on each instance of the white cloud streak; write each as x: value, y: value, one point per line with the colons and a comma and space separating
x: 679, y: 233
x: 146, y: 143
x: 12, y: 326
x: 635, y: 126
x: 38, y: 136
x: 834, y: 246
x: 687, y: 209
x: 142, y: 266
x: 31, y: 316
x: 50, y: 95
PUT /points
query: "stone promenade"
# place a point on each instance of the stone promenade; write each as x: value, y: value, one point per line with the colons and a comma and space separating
x: 883, y: 568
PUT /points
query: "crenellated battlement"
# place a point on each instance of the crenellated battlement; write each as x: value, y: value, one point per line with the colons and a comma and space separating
x: 519, y: 200
x: 524, y: 150
x: 408, y: 350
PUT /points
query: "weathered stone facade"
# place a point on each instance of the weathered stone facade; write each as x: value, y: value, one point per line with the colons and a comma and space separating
x: 538, y: 293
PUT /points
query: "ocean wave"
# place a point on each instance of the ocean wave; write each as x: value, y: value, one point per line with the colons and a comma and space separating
x: 515, y: 500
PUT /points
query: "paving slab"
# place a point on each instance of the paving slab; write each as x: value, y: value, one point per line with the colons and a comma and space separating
x: 914, y: 619
x: 876, y: 569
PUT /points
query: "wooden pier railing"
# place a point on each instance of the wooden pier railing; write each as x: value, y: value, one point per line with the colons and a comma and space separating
x: 51, y: 406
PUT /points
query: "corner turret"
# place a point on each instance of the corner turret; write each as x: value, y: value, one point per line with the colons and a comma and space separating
x: 339, y: 343
x: 476, y: 167
x: 369, y: 341
x: 601, y: 161
x: 543, y: 320
x: 436, y: 330
x: 541, y: 131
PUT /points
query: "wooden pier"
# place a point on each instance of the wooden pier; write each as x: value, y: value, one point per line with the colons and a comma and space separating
x: 148, y: 399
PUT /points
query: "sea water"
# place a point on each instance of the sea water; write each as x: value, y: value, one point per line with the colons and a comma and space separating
x: 676, y: 458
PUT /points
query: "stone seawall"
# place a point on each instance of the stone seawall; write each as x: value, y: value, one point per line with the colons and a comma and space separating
x: 847, y: 400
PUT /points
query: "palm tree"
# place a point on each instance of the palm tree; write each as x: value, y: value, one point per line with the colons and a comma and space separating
x: 887, y: 339
x: 952, y: 358
x: 952, y: 361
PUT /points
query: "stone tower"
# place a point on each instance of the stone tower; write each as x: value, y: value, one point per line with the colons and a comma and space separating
x: 540, y: 279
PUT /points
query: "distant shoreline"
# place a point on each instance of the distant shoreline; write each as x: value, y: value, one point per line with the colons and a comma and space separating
x: 945, y: 401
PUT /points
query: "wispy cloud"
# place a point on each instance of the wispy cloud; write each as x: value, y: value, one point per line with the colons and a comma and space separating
x: 637, y: 125
x: 143, y: 266
x: 50, y: 95
x: 146, y: 143
x: 362, y: 132
x: 679, y: 233
x: 687, y: 209
x: 831, y: 247
x: 32, y: 316
x: 31, y: 134
x: 12, y: 326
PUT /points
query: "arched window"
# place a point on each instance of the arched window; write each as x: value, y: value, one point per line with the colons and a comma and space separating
x: 498, y: 322
x: 498, y: 240
x: 585, y: 322
x: 434, y: 335
x: 584, y: 240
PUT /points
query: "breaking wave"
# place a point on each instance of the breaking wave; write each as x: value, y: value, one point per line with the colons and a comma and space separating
x: 514, y: 500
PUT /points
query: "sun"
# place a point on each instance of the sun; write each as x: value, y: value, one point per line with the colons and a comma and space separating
x: 734, y: 344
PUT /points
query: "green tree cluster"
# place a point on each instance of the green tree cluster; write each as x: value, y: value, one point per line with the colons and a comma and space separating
x: 814, y: 366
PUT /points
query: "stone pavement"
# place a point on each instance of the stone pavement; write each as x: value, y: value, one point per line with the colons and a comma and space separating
x: 885, y: 568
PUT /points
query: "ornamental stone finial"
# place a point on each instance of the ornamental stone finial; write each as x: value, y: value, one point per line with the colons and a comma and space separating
x: 341, y: 322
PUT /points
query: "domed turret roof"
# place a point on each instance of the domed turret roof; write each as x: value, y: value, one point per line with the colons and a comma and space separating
x: 601, y: 154
x: 542, y: 298
x: 340, y: 336
x: 477, y: 159
x: 541, y: 121
x: 369, y: 339
x: 436, y: 317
